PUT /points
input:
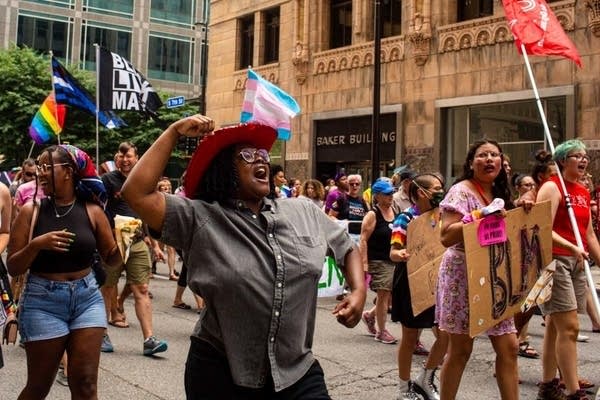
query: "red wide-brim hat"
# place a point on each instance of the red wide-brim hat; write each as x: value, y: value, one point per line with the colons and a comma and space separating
x: 254, y: 134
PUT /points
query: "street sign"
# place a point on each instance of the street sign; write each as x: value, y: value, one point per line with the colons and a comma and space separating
x: 174, y: 102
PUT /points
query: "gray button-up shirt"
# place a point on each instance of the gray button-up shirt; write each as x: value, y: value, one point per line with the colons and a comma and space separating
x: 258, y: 275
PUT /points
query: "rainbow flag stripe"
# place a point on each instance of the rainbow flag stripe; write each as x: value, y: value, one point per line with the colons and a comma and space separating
x: 48, y: 122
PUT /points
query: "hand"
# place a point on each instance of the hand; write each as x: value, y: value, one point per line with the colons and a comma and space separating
x: 403, y: 254
x: 158, y: 254
x: 581, y: 255
x: 56, y: 240
x: 194, y: 126
x: 349, y: 311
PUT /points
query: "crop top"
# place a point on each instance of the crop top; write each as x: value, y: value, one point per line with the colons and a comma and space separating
x: 80, y: 254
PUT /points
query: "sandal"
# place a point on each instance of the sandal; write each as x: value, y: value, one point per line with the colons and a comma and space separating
x: 119, y: 323
x: 583, y: 384
x: 525, y: 350
x: 182, y: 306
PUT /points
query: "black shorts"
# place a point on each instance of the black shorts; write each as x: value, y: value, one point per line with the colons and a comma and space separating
x: 402, y: 305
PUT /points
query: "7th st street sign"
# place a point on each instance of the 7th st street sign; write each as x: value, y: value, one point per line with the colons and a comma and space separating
x: 174, y: 102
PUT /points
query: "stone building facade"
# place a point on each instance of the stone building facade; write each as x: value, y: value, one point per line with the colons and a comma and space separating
x: 450, y: 74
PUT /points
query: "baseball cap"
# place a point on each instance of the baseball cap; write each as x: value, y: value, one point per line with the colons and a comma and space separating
x: 382, y: 186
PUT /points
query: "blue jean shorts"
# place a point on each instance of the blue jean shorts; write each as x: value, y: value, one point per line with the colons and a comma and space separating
x: 51, y: 309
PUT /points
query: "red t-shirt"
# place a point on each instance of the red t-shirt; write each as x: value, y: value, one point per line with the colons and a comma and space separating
x: 580, y: 201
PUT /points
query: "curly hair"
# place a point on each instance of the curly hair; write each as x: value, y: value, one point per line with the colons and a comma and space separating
x: 543, y: 162
x: 221, y: 180
x: 501, y: 186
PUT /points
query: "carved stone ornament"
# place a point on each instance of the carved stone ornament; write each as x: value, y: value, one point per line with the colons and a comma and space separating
x: 300, y: 60
x: 491, y: 30
x: 357, y: 56
x: 594, y: 16
x: 420, y: 42
x: 269, y: 72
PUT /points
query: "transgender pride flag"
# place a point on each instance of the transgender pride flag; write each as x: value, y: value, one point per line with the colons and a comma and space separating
x: 48, y: 122
x: 269, y: 105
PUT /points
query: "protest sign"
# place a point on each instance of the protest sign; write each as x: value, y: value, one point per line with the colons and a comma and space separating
x: 501, y: 275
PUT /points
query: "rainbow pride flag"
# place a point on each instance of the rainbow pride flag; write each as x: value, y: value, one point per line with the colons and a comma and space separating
x: 269, y: 105
x: 48, y: 122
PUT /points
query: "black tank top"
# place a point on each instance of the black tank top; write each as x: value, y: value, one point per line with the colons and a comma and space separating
x: 378, y: 244
x: 80, y: 254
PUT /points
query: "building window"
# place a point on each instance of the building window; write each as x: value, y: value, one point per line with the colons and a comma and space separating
x: 44, y: 34
x: 471, y: 9
x: 271, y: 47
x: 114, y: 38
x: 340, y: 24
x: 391, y: 18
x: 516, y: 126
x: 56, y: 3
x: 173, y: 12
x: 170, y: 58
x: 246, y: 41
x: 114, y: 7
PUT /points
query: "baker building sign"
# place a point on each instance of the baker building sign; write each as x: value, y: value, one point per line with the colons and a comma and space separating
x: 349, y: 139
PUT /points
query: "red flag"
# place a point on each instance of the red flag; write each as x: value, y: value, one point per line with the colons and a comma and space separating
x: 534, y: 25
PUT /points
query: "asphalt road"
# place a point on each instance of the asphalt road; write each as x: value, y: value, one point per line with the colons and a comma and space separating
x: 356, y: 367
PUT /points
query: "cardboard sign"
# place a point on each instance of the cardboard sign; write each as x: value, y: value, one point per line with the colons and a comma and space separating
x: 501, y: 275
x: 426, y: 251
x: 331, y: 282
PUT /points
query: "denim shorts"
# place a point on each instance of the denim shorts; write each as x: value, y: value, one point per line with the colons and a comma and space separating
x: 51, y: 309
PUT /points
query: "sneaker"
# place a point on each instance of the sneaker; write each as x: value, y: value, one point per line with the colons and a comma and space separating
x: 425, y: 385
x: 385, y: 337
x: 550, y: 391
x: 578, y: 395
x: 420, y: 349
x: 106, y: 346
x: 411, y: 394
x: 369, y: 321
x: 61, y: 378
x: 582, y: 338
x: 152, y: 346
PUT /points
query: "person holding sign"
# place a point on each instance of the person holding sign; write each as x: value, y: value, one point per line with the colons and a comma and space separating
x: 569, y: 282
x: 254, y: 258
x: 425, y: 192
x: 483, y: 179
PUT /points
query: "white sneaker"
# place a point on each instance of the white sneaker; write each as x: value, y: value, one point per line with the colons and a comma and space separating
x: 410, y: 394
x: 425, y: 385
x: 582, y: 338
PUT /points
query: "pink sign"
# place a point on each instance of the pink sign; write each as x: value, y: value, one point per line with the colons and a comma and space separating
x: 491, y: 230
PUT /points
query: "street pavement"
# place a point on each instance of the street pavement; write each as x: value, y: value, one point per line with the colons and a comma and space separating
x: 356, y: 367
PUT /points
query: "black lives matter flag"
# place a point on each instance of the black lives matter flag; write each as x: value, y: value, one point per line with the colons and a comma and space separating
x: 122, y: 87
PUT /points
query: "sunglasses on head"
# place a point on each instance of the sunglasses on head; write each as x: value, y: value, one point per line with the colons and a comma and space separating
x: 251, y: 155
x: 47, y: 167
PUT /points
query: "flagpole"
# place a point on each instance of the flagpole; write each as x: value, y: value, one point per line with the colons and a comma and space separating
x: 97, y: 104
x: 31, y: 149
x: 571, y: 213
x: 53, y: 95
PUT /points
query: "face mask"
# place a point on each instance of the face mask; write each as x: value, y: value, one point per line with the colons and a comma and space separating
x: 436, y: 198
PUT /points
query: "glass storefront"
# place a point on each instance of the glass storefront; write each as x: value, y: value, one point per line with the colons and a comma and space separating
x: 516, y: 126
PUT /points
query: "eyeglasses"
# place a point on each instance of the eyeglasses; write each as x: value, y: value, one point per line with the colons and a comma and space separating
x: 354, y: 184
x: 47, y: 167
x: 486, y: 154
x: 579, y: 157
x: 251, y: 155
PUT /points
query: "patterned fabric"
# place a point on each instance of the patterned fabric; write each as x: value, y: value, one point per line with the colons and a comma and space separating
x: 452, y: 305
x: 89, y: 186
x: 400, y: 226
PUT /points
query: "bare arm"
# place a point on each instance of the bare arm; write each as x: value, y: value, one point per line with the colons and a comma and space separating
x: 5, y: 217
x: 452, y: 228
x: 139, y: 190
x: 348, y: 312
x: 367, y: 228
x: 398, y: 253
x: 105, y: 241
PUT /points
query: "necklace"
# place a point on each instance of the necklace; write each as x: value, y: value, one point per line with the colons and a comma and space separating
x: 64, y: 214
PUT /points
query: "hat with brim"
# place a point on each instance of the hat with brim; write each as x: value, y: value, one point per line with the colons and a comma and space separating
x: 254, y: 134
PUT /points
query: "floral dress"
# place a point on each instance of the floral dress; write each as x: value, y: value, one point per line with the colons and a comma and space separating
x: 452, y: 305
